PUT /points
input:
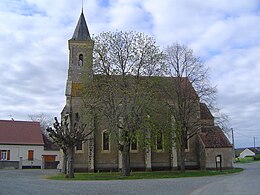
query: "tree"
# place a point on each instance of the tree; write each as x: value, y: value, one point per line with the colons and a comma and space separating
x: 189, y: 86
x: 120, y: 91
x: 67, y: 136
x: 222, y: 120
x: 44, y: 119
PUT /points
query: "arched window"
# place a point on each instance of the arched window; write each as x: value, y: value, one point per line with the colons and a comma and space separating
x: 105, y: 141
x: 133, y: 144
x: 79, y: 145
x: 80, y: 62
x: 159, y: 141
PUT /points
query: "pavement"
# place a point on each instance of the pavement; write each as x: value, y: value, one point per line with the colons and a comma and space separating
x: 29, y: 182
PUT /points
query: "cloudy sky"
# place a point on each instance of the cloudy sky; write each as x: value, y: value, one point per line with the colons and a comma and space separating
x: 224, y: 33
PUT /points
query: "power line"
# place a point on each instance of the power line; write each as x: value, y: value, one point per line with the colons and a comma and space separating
x: 243, y: 134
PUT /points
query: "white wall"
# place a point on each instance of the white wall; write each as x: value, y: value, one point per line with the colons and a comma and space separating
x: 18, y: 151
x: 246, y: 152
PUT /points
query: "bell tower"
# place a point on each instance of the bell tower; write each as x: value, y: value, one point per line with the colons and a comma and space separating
x: 80, y: 57
x: 79, y: 73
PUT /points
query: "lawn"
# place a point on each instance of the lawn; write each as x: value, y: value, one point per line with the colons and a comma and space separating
x: 143, y: 175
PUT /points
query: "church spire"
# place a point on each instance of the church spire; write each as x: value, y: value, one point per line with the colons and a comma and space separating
x: 81, y: 32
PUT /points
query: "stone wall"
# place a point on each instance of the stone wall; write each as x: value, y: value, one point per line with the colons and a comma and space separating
x: 9, y: 164
x: 226, y: 155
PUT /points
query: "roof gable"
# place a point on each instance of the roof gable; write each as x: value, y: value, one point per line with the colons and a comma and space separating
x: 20, y: 133
x: 213, y: 137
x: 247, y: 152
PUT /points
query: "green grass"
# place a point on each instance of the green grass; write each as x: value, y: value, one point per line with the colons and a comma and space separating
x: 143, y: 175
x: 248, y: 159
x: 257, y: 158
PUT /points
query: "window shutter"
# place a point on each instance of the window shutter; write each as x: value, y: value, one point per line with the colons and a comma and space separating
x: 8, y: 154
x: 30, y: 154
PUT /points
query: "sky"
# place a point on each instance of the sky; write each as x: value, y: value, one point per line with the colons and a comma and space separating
x: 225, y: 34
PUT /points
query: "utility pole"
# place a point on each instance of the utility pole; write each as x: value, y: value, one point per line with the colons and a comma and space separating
x: 233, y: 140
x: 254, y: 140
x: 233, y: 143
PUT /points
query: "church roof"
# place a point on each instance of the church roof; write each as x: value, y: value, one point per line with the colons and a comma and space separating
x: 81, y: 32
x: 205, y: 112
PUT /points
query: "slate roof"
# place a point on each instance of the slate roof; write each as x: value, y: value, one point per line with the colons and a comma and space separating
x: 81, y: 32
x: 213, y: 137
x: 20, y: 132
x: 205, y: 112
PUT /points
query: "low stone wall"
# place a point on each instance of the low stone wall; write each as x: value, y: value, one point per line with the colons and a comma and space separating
x: 9, y: 164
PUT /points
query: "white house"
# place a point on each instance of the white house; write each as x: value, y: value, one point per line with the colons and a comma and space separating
x: 246, y: 152
x: 21, y: 144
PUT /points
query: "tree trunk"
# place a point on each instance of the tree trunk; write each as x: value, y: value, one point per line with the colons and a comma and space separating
x: 126, y: 160
x: 64, y: 166
x: 182, y: 158
x: 182, y: 152
x: 70, y: 168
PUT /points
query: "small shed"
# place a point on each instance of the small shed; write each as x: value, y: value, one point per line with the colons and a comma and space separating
x: 215, y: 145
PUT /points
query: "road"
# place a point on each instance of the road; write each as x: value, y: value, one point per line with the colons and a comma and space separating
x: 28, y: 182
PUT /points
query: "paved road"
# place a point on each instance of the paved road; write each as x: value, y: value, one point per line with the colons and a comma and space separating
x: 28, y: 182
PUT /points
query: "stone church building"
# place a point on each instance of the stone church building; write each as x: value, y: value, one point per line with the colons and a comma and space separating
x: 206, y: 148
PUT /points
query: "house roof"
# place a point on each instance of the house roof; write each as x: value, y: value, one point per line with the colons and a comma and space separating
x: 256, y: 150
x: 213, y: 137
x: 247, y: 152
x: 20, y: 132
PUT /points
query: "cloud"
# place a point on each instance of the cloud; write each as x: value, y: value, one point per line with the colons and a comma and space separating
x: 34, y: 51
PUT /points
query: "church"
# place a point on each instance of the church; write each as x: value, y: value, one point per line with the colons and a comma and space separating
x: 204, y: 150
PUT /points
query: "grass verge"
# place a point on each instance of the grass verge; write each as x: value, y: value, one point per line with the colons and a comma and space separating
x: 143, y: 175
x: 248, y: 159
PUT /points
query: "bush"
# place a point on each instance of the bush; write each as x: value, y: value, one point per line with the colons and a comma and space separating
x: 247, y: 159
x: 257, y: 158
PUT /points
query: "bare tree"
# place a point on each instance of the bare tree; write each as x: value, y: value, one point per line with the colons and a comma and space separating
x: 189, y: 86
x: 44, y: 119
x: 120, y: 92
x: 67, y: 136
x: 222, y: 120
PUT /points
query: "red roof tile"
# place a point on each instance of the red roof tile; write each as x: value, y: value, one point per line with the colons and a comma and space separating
x: 20, y: 132
x: 213, y: 137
